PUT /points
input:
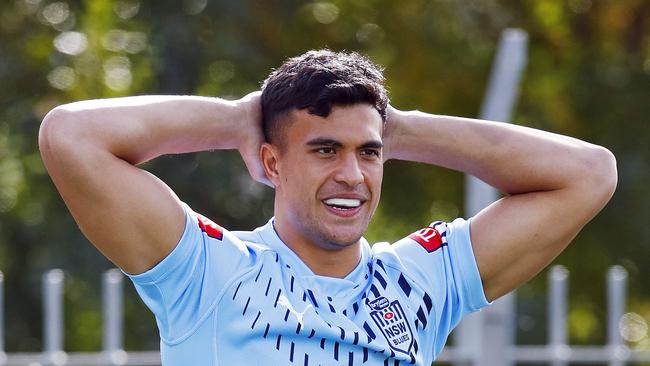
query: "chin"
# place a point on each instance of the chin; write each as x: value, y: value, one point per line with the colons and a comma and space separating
x: 332, y: 233
x: 344, y: 241
x: 342, y: 236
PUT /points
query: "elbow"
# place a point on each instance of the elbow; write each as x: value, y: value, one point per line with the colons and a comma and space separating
x: 63, y: 141
x: 608, y: 173
x: 57, y: 131
x: 602, y: 177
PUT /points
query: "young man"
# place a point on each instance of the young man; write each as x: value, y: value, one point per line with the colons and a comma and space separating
x: 306, y: 288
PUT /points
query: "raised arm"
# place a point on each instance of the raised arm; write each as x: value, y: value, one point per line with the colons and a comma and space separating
x: 91, y: 150
x: 554, y: 184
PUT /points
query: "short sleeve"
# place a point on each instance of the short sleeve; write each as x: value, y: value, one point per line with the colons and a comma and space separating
x: 441, y: 259
x: 183, y: 288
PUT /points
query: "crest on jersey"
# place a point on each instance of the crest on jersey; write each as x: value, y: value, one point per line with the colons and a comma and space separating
x: 391, y: 320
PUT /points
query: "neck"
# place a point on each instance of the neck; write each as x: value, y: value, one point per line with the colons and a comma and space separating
x: 323, y: 260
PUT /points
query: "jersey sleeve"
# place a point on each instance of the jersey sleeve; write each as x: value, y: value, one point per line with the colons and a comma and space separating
x: 441, y: 259
x: 182, y: 289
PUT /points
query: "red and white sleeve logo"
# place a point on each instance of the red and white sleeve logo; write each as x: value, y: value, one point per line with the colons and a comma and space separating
x: 429, y: 238
x: 207, y: 226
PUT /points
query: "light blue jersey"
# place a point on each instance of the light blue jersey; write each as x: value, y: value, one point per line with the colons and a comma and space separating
x: 245, y: 298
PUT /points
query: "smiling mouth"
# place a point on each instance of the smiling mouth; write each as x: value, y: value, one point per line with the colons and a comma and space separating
x: 344, y: 207
x: 343, y: 203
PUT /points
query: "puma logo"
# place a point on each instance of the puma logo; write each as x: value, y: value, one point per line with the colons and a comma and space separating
x: 299, y: 315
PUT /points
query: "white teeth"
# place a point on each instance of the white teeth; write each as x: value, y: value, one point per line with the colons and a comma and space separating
x: 343, y: 202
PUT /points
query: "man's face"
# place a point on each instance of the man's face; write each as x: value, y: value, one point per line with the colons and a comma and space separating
x: 329, y: 174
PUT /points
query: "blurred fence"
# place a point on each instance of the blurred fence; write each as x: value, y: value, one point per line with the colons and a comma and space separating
x: 556, y: 352
x: 53, y: 329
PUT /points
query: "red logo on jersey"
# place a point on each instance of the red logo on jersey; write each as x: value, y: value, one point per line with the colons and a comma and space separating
x: 428, y: 237
x: 207, y: 226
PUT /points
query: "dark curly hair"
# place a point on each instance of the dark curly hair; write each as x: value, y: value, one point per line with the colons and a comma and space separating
x: 318, y: 80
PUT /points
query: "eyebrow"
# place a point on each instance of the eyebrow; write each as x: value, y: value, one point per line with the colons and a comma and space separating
x: 321, y: 141
x: 374, y: 144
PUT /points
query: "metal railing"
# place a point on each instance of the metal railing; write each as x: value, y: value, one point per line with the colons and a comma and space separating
x: 558, y: 352
x: 112, y: 352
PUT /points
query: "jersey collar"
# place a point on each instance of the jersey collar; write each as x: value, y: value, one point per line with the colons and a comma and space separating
x: 328, y: 285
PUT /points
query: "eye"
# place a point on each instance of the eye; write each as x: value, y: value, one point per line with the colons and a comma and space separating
x: 371, y: 152
x: 325, y: 150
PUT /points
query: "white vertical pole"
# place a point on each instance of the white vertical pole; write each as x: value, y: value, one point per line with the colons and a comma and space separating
x: 557, y: 314
x: 53, y: 317
x: 507, y: 69
x: 112, y: 308
x: 3, y: 356
x: 616, y: 294
x: 486, y: 338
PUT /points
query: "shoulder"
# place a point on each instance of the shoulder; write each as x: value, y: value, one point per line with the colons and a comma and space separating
x: 427, y: 240
x: 430, y: 253
x: 252, y: 240
x: 210, y: 230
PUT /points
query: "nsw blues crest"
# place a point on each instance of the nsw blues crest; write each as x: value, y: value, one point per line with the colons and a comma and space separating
x: 391, y: 320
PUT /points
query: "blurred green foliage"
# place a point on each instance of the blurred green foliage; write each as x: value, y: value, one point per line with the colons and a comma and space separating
x: 588, y: 76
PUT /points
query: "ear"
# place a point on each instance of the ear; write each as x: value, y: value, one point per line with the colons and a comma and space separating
x: 269, y: 154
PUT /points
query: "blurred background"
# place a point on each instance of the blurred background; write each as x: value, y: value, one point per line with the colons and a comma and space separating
x: 588, y: 76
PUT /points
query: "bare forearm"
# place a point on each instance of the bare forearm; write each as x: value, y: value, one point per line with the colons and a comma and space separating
x: 138, y: 129
x: 511, y: 158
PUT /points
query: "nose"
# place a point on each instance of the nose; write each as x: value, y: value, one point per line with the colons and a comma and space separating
x: 349, y: 171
